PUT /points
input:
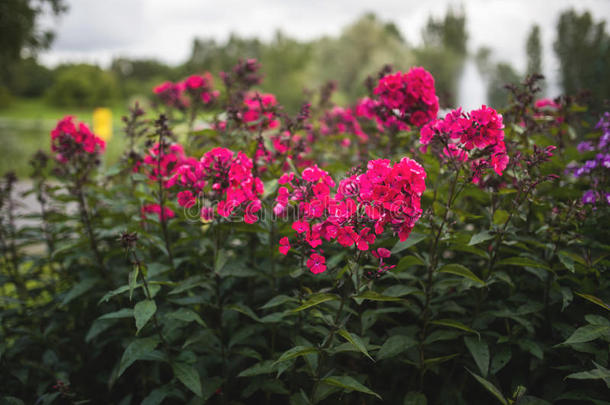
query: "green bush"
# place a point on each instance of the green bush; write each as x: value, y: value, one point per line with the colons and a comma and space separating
x: 122, y: 292
x: 83, y: 86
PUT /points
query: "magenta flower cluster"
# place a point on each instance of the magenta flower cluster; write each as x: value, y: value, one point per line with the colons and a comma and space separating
x: 463, y: 134
x: 224, y: 177
x: 71, y: 140
x: 194, y: 90
x: 364, y: 205
x: 409, y: 96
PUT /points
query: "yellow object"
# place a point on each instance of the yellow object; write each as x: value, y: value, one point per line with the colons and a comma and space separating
x: 102, y: 123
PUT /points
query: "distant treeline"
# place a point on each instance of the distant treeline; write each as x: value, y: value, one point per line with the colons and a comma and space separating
x: 292, y: 67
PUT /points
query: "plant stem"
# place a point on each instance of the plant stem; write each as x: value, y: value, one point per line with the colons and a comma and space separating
x: 86, y: 220
x: 161, y: 199
x: 149, y: 296
x: 433, y: 255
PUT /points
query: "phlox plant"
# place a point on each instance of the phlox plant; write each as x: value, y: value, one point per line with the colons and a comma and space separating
x: 380, y: 252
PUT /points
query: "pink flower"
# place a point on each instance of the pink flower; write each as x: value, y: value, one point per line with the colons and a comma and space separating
x: 284, y: 245
x: 381, y: 253
x: 316, y: 263
x: 70, y: 140
x: 222, y: 176
x: 300, y: 226
x: 258, y: 106
x: 411, y: 94
x: 186, y: 199
x: 480, y: 129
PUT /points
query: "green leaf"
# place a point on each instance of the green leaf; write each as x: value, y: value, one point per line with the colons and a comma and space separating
x: 407, y: 262
x: 11, y: 401
x: 188, y: 376
x: 277, y: 300
x: 133, y: 279
x: 186, y: 315
x: 395, y: 345
x: 587, y: 333
x: 597, y: 320
x: 415, y: 398
x: 500, y: 217
x: 567, y: 261
x: 523, y: 262
x: 399, y: 290
x: 597, y: 373
x: 264, y: 367
x: 244, y: 310
x: 137, y: 350
x: 295, y: 352
x: 441, y: 359
x: 316, y: 299
x: 349, y: 384
x: 142, y: 312
x: 98, y: 327
x: 221, y: 260
x: 490, y: 387
x: 121, y: 313
x: 480, y: 353
x: 355, y: 341
x: 453, y: 324
x: 79, y: 289
x: 413, y: 239
x: 462, y: 271
x: 480, y: 237
x: 156, y: 396
x: 114, y: 292
x: 500, y: 359
x: 594, y: 300
x: 374, y: 296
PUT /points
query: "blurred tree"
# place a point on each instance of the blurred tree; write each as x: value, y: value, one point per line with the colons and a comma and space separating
x: 138, y: 76
x: 361, y: 50
x: 284, y: 63
x: 207, y: 55
x: 444, y: 52
x: 533, y: 49
x: 503, y: 74
x: 27, y: 78
x: 21, y: 35
x: 83, y: 85
x: 583, y: 49
x: 448, y: 32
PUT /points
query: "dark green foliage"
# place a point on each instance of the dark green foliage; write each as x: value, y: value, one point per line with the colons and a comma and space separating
x: 500, y: 294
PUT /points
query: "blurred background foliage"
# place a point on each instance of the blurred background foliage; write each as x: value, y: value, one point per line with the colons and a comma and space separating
x: 293, y: 69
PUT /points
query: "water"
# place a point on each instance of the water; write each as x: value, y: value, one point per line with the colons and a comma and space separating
x: 472, y: 89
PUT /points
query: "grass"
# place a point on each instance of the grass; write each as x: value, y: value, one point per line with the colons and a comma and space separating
x: 25, y: 126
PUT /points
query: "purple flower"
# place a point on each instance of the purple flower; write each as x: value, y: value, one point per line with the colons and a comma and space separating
x: 608, y: 198
x: 589, y: 197
x: 585, y: 146
x: 580, y: 171
x: 590, y: 164
x: 604, y: 160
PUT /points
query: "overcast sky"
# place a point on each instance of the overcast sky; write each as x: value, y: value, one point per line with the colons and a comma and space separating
x: 96, y: 31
